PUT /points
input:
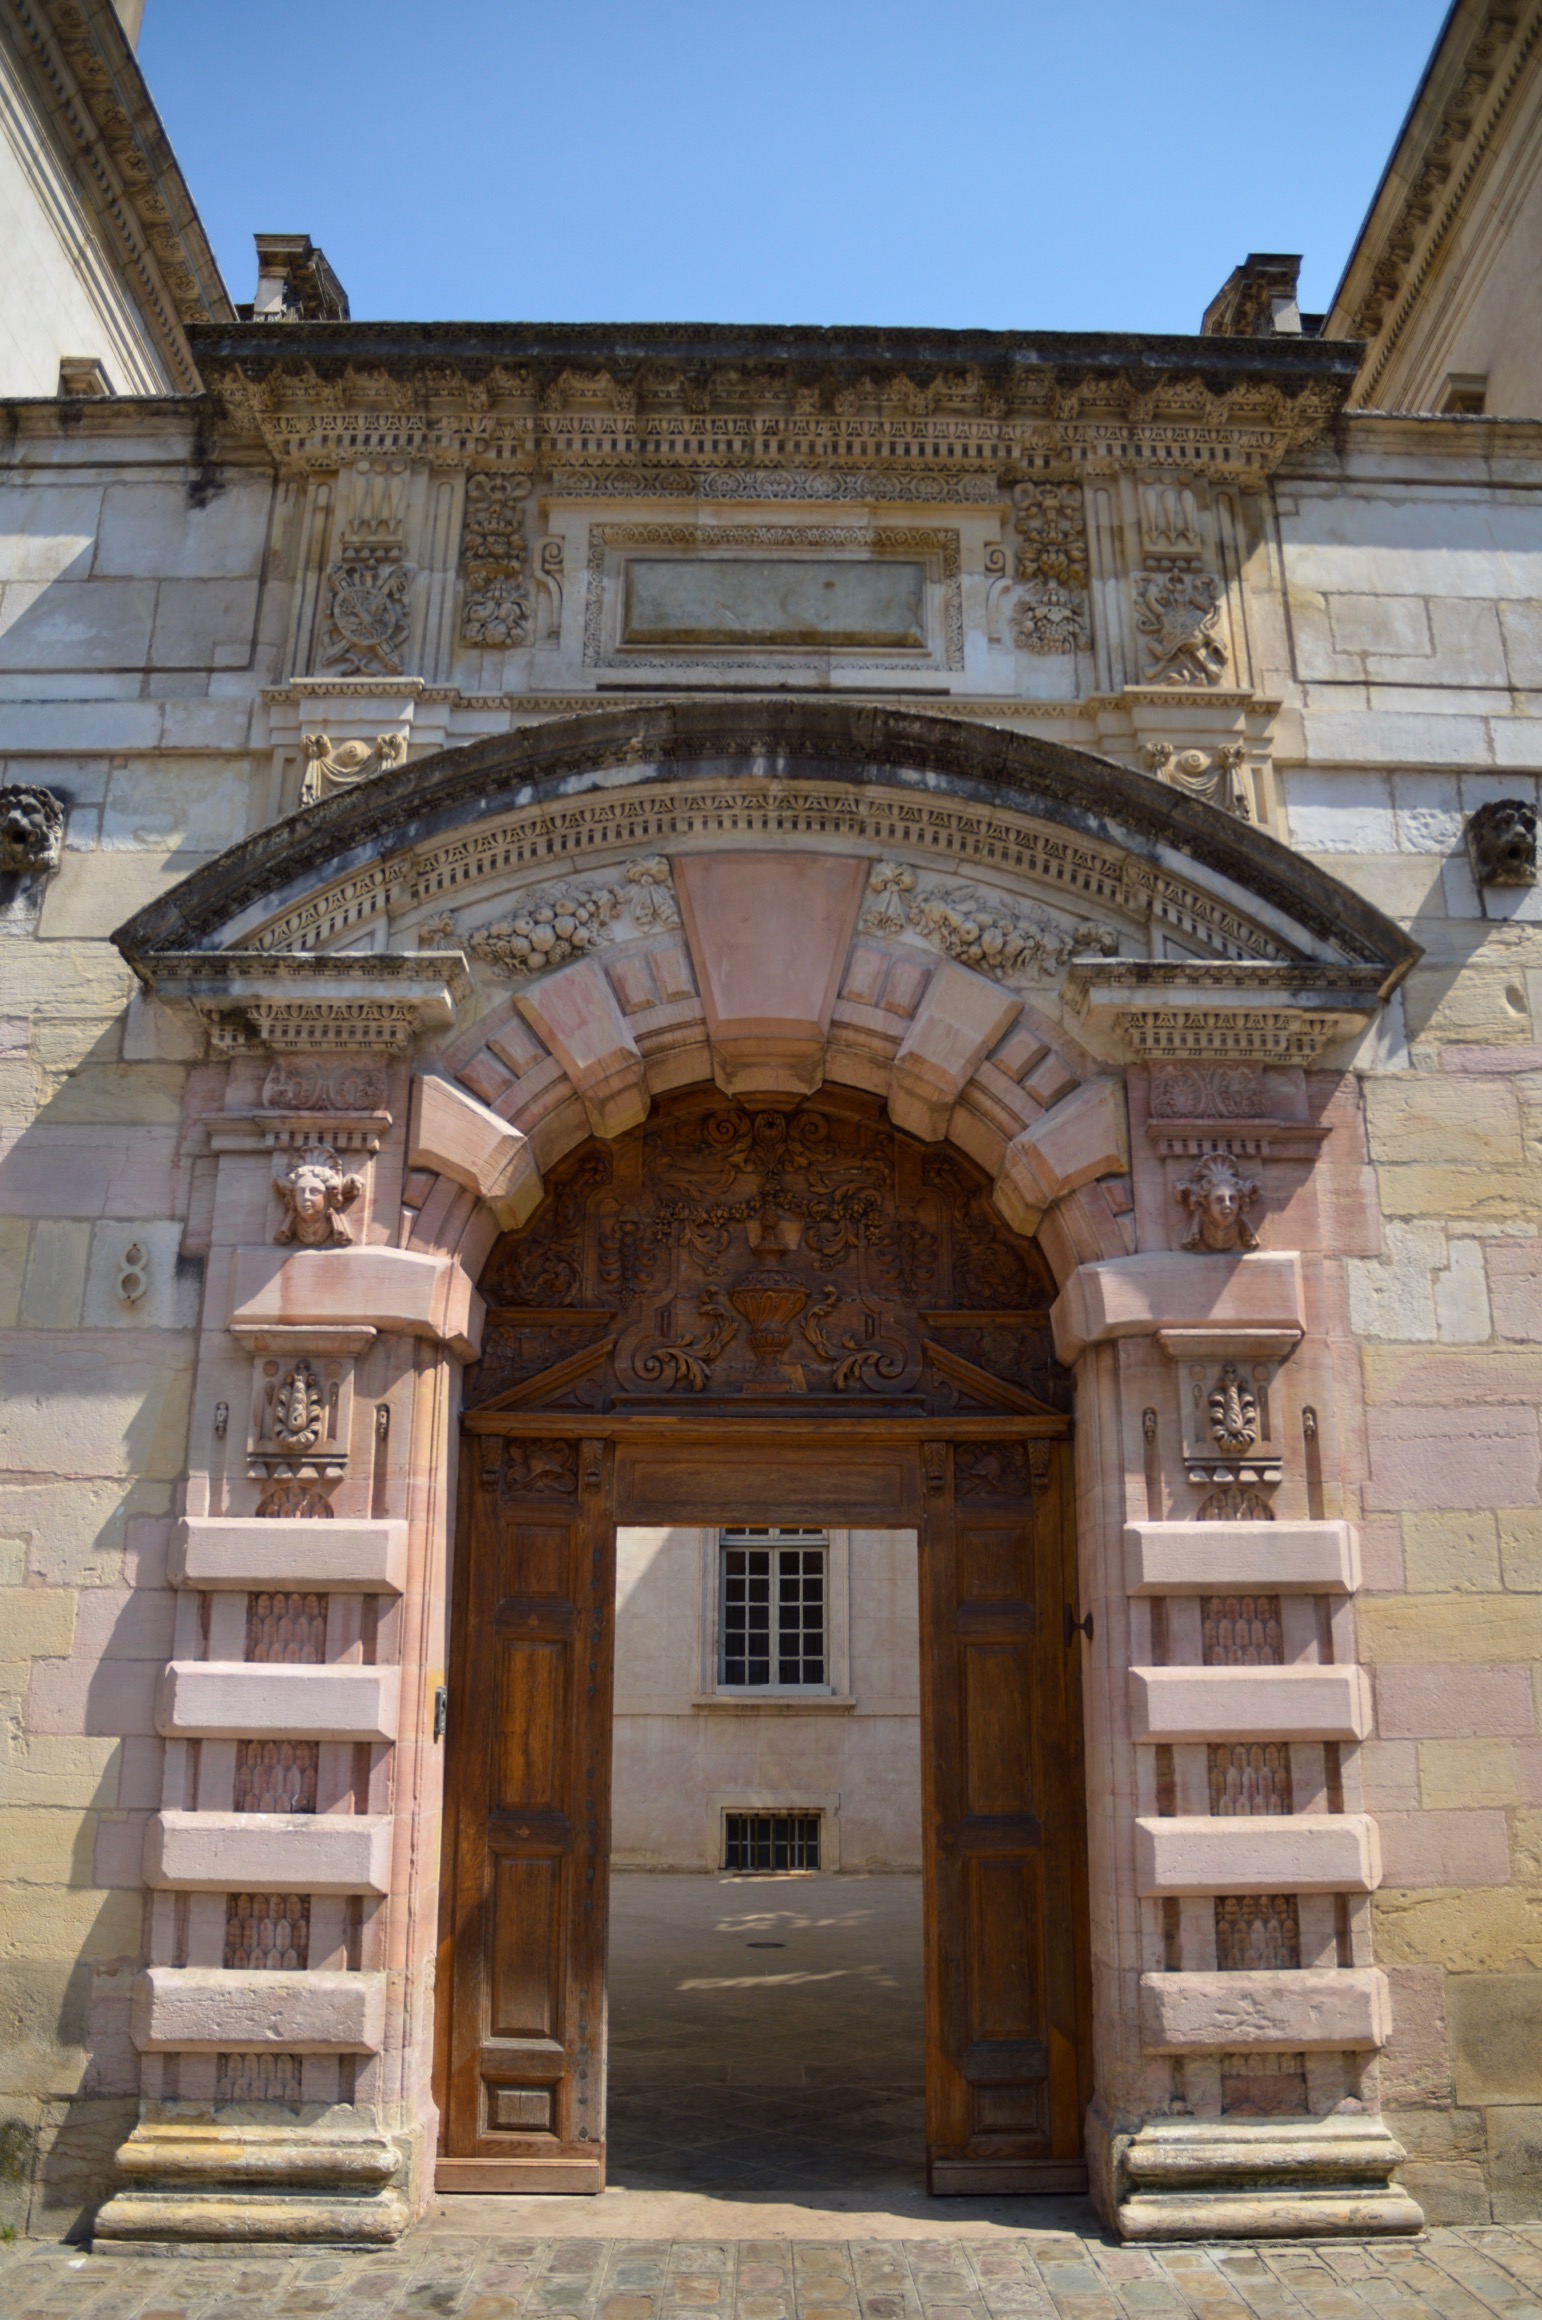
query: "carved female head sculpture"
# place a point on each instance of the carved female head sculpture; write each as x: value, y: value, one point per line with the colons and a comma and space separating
x: 1216, y: 1197
x: 314, y: 1193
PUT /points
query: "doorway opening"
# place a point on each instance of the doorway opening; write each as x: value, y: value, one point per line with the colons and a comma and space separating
x: 766, y: 1962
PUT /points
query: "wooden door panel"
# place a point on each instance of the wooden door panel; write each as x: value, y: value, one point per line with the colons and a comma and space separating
x: 1007, y: 2013
x: 528, y: 1798
x: 525, y: 2000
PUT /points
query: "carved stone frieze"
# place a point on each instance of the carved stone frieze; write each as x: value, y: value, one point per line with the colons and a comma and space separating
x: 1010, y: 941
x: 495, y: 608
x: 1178, y: 614
x: 332, y: 765
x: 735, y: 1256
x: 31, y: 830
x: 306, y: 1083
x: 1208, y: 1091
x: 556, y: 923
x: 1051, y: 613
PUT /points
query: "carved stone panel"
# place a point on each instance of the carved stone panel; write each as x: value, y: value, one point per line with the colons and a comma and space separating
x: 742, y: 1255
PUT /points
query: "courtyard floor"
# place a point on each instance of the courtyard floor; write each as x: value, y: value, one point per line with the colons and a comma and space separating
x: 1487, y: 2273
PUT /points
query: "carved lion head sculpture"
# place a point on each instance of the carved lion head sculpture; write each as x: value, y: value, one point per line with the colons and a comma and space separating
x: 1217, y: 1196
x: 1502, y: 841
x: 31, y: 828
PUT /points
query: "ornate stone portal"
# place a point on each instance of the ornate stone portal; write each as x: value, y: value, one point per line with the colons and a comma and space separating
x: 680, y: 1130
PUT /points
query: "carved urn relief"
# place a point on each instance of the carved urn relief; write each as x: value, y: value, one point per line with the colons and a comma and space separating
x: 734, y: 1253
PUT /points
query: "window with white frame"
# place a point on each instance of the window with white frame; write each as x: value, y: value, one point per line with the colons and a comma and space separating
x: 773, y: 1598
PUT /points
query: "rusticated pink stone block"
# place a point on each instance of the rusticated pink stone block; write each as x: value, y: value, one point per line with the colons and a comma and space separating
x: 1287, y: 1558
x: 1084, y: 1137
x: 1320, y: 2009
x: 576, y: 1013
x: 203, y: 1852
x: 1455, y: 1703
x: 1445, y: 1848
x: 768, y: 993
x: 392, y: 1289
x: 1453, y: 1461
x: 1301, y: 1853
x: 1137, y: 1296
x: 189, y: 2007
x: 461, y: 1138
x: 1249, y: 1703
x: 234, y: 1699
x: 957, y: 1024
x: 1515, y: 1288
x: 224, y: 1551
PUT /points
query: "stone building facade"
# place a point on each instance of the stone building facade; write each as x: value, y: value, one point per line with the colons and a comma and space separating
x: 1104, y: 767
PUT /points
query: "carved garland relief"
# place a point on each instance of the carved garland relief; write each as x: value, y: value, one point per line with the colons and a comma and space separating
x: 727, y: 1254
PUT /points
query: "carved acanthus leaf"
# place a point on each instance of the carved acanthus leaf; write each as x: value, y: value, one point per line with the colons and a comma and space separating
x: 556, y: 923
x: 1002, y: 939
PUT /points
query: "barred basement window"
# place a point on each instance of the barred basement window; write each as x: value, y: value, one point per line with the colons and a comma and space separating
x: 773, y: 1606
x: 770, y: 1840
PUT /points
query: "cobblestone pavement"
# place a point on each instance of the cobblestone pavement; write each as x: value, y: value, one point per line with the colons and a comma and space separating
x: 1486, y: 2273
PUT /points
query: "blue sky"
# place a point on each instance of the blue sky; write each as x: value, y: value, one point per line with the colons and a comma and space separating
x: 1047, y: 164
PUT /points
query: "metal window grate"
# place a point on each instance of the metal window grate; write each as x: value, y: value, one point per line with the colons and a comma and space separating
x: 770, y: 1840
x: 773, y: 1596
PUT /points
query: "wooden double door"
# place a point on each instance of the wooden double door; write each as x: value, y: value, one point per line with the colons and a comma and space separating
x: 522, y: 1973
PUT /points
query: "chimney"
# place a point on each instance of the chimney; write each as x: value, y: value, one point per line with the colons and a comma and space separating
x: 295, y: 283
x: 1257, y: 300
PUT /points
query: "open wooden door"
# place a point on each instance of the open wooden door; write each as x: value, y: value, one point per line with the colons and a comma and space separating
x: 1008, y: 2056
x: 522, y: 1980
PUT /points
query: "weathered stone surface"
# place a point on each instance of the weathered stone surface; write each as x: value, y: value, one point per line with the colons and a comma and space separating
x: 1297, y: 2012
x: 1496, y: 2036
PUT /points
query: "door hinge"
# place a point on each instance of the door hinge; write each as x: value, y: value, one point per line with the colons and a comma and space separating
x: 1075, y: 1626
x: 442, y: 1710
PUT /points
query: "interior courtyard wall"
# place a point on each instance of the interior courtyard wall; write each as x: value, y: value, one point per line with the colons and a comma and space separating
x: 148, y: 620
x: 687, y: 1750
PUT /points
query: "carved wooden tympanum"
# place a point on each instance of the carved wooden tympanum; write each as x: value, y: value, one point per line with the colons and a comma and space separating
x: 730, y: 1256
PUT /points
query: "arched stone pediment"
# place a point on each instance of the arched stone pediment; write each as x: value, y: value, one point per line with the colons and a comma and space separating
x: 1088, y: 837
x: 564, y: 923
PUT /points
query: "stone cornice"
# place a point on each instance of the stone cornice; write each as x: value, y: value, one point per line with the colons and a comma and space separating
x: 1452, y: 129
x: 600, y: 407
x: 90, y: 87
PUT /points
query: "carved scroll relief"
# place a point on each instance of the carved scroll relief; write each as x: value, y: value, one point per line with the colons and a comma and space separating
x: 1051, y: 612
